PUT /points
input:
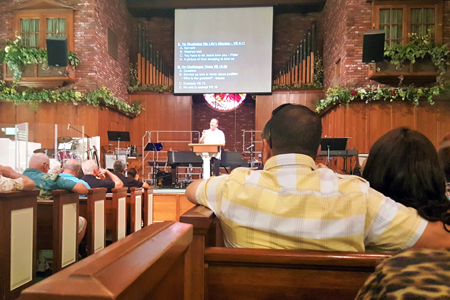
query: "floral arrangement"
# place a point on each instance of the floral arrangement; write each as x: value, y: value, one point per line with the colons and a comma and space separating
x: 17, y: 55
x: 94, y: 98
x: 338, y: 96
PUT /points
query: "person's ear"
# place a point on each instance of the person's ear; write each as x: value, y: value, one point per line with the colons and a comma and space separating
x: 266, y: 151
x: 318, y: 150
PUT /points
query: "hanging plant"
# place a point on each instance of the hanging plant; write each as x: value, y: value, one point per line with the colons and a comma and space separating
x: 419, y: 47
x: 16, y: 56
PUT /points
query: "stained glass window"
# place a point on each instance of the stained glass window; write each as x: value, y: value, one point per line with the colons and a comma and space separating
x: 224, y: 102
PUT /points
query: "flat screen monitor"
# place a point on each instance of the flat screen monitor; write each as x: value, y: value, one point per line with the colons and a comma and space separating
x: 223, y: 50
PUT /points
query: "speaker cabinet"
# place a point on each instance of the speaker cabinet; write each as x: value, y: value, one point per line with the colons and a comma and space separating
x: 57, y: 52
x: 373, y: 46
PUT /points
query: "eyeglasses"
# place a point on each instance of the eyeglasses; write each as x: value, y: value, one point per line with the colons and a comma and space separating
x: 274, y: 112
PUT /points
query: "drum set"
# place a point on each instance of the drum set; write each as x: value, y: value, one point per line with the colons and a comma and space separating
x: 68, y: 148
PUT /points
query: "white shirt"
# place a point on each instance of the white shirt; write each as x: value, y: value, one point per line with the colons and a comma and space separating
x: 215, y: 137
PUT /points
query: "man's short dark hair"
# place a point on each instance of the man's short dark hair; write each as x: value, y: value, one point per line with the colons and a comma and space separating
x: 118, y: 167
x: 295, y: 129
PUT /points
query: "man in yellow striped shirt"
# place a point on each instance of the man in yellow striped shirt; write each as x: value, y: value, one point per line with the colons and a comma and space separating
x: 292, y: 204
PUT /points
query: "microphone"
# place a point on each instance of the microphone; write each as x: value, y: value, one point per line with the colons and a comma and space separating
x: 68, y: 126
x: 251, y: 146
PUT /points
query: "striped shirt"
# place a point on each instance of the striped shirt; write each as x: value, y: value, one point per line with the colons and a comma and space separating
x: 293, y: 205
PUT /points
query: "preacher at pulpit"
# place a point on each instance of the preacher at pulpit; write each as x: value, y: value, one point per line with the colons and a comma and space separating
x: 214, y: 136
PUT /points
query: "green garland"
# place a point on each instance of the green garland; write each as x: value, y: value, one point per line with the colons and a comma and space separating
x: 102, y: 96
x: 419, y: 47
x: 150, y: 88
x: 16, y: 56
x: 338, y: 96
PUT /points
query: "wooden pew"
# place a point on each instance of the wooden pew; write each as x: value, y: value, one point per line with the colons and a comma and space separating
x: 116, y: 213
x: 237, y: 273
x: 147, y: 213
x: 134, y: 211
x: 18, y: 242
x: 147, y: 264
x: 92, y: 208
x: 57, y: 227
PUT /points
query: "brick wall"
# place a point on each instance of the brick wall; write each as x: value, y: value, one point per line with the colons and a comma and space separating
x: 91, y: 20
x: 231, y: 123
x: 110, y: 72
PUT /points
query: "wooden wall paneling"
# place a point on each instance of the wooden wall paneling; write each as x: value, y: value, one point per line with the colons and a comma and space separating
x: 45, y: 125
x: 443, y: 120
x: 404, y: 115
x: 26, y: 114
x: 138, y: 124
x: 356, y: 127
x: 66, y: 113
x: 7, y: 116
x: 7, y: 113
x: 427, y: 121
x: 164, y: 207
x: 103, y: 127
x: 280, y: 98
x: 183, y: 116
x: 263, y: 110
x: 380, y: 121
x: 87, y: 116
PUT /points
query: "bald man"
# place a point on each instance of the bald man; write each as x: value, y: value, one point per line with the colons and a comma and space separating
x: 71, y: 169
x: 37, y: 171
x: 46, y: 183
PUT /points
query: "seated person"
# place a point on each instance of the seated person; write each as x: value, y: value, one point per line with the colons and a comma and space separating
x: 413, y: 274
x: 404, y: 165
x: 132, y: 173
x: 10, y: 180
x: 37, y: 171
x: 71, y: 170
x: 55, y: 167
x: 46, y: 183
x: 292, y: 204
x: 128, y: 182
x: 444, y: 155
x: 91, y: 171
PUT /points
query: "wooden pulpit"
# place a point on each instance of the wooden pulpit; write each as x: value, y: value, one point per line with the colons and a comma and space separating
x: 206, y: 151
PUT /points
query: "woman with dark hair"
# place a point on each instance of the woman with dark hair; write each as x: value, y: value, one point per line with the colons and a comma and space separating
x: 404, y: 165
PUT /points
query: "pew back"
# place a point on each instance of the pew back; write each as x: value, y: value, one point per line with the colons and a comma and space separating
x: 240, y: 274
x: 18, y: 242
x: 116, y: 213
x: 93, y: 209
x: 57, y: 227
x: 147, y: 264
x: 148, y: 206
x: 234, y: 273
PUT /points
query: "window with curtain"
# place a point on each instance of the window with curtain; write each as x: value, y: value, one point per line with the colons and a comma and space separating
x: 29, y: 31
x: 35, y: 26
x: 56, y: 27
x: 398, y: 21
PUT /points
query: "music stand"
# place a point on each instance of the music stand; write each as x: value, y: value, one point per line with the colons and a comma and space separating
x: 153, y: 147
x: 333, y: 144
x: 118, y: 136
